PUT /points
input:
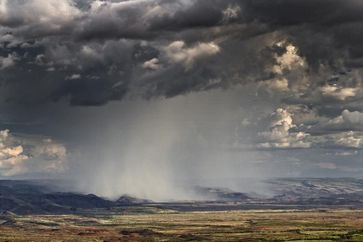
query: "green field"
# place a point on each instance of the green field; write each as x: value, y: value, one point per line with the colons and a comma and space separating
x: 160, y: 225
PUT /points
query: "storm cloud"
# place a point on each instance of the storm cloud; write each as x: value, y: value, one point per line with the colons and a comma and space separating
x: 287, y: 76
x: 198, y: 45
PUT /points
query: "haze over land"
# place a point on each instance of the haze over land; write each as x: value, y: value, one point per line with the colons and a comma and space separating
x: 151, y: 98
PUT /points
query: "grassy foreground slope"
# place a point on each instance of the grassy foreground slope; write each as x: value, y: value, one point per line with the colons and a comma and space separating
x: 258, y: 225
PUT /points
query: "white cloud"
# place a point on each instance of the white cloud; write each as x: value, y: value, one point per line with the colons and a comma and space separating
x: 20, y: 155
x: 146, y: 10
x: 339, y: 140
x: 96, y: 5
x: 353, y: 117
x: 178, y: 52
x: 303, y: 116
x: 11, y: 155
x: 349, y: 139
x: 276, y: 84
x: 297, y: 126
x: 52, y: 14
x: 152, y: 64
x: 289, y: 60
x: 232, y: 12
x: 348, y: 118
x: 10, y: 41
x: 339, y: 93
x: 6, y: 62
x: 280, y: 134
x: 53, y: 153
x: 281, y: 123
x: 290, y: 71
x: 73, y: 77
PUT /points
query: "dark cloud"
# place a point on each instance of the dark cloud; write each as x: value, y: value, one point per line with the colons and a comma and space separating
x: 95, y: 38
x: 299, y: 64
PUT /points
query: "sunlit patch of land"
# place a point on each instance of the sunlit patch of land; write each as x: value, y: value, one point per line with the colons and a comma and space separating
x: 166, y: 225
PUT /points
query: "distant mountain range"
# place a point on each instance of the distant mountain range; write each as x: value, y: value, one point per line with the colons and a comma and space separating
x: 37, y: 197
x: 317, y: 191
x: 24, y: 197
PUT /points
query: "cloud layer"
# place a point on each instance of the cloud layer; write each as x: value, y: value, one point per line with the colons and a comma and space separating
x: 285, y: 76
x: 164, y: 48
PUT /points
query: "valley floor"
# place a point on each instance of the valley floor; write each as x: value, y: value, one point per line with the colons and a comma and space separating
x: 165, y: 225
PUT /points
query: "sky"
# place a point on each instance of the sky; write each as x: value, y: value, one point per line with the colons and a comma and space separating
x: 142, y: 97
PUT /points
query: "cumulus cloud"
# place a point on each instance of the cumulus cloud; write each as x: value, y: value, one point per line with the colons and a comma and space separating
x: 288, y: 70
x: 352, y: 117
x: 152, y: 64
x: 300, y: 127
x: 347, y: 118
x: 281, y: 134
x: 8, y: 61
x: 20, y: 155
x: 11, y: 155
x: 231, y: 13
x: 340, y: 93
x: 350, y: 140
x: 289, y: 60
x: 178, y: 52
x: 276, y: 85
